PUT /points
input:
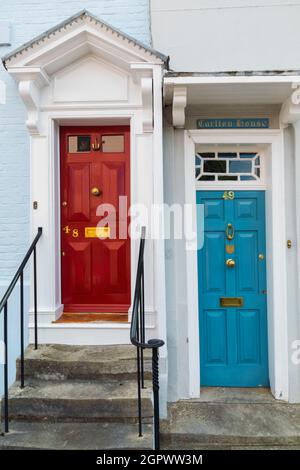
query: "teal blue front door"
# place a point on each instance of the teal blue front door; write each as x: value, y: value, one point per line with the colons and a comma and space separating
x: 232, y: 289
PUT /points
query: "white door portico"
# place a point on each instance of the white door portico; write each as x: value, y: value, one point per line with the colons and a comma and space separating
x: 193, y: 97
x: 85, y: 72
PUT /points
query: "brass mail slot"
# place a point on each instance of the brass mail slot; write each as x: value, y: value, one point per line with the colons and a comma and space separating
x: 231, y: 301
x: 94, y: 232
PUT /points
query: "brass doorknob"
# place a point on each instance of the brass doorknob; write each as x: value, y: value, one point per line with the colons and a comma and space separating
x: 96, y: 192
x: 230, y: 263
x: 64, y: 203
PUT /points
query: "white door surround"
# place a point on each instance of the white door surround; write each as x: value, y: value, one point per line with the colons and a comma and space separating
x: 85, y: 72
x: 272, y: 140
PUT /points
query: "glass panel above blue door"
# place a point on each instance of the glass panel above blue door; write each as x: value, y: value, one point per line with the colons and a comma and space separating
x: 227, y: 166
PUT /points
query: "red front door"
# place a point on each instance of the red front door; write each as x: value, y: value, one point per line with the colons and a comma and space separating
x: 95, y: 170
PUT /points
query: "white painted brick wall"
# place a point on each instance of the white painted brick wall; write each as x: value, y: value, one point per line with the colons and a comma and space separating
x: 29, y: 18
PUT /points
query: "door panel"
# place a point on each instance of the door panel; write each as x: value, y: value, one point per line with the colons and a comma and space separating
x: 78, y: 198
x: 214, y: 209
x: 213, y: 263
x: 95, y: 272
x: 233, y: 340
x: 248, y: 338
x: 246, y: 262
x: 79, y: 260
x: 216, y: 347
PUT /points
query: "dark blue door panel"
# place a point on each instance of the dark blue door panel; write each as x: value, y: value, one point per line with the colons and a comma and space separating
x: 233, y: 340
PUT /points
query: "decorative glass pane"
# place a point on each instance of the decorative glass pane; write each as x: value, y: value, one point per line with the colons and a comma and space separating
x: 215, y: 166
x: 227, y: 178
x: 207, y: 178
x: 247, y: 178
x: 198, y: 161
x: 227, y: 155
x: 247, y: 155
x: 207, y: 155
x: 239, y: 166
x: 79, y: 143
x: 113, y: 143
x: 227, y: 166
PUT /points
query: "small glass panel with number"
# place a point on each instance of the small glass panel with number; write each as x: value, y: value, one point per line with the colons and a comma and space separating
x: 79, y: 143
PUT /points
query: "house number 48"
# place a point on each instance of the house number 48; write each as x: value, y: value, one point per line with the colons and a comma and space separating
x: 74, y: 231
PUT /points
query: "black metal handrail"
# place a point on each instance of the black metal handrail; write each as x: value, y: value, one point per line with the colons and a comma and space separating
x: 3, y: 306
x: 137, y: 338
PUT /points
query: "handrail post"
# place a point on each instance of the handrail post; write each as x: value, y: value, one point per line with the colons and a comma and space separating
x: 137, y: 337
x: 142, y: 313
x: 155, y: 382
x: 22, y: 326
x: 6, y: 426
x: 138, y: 358
x: 35, y: 300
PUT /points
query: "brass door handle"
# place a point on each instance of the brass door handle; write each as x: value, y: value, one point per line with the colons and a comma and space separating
x: 230, y: 263
x: 96, y: 192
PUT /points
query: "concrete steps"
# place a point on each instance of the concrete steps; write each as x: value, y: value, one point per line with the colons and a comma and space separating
x: 78, y: 401
x: 75, y: 436
x: 79, y: 397
x: 241, y: 419
x: 64, y: 362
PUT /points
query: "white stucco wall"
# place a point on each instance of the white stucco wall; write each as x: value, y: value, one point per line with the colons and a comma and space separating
x: 292, y: 280
x: 227, y: 35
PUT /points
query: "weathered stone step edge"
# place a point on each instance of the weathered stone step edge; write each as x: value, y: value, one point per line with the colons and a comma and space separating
x: 174, y: 439
x: 87, y: 420
x: 78, y: 400
x: 52, y: 370
x: 230, y: 447
x: 79, y: 354
x: 117, y: 409
x: 66, y: 436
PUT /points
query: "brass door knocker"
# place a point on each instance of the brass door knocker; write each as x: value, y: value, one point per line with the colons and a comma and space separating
x: 96, y: 145
x: 230, y: 232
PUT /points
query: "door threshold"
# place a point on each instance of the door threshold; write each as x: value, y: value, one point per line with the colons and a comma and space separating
x: 236, y: 395
x: 67, y: 317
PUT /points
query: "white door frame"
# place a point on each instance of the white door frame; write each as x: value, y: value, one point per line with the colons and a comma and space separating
x: 276, y: 251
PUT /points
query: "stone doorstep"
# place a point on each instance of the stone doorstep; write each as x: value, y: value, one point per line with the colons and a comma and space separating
x: 264, y: 421
x: 63, y: 362
x: 78, y: 400
x: 75, y: 436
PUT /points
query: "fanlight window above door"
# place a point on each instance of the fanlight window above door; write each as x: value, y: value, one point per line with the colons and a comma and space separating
x: 221, y: 165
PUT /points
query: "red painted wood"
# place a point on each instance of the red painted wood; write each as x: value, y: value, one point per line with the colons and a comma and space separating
x: 95, y: 272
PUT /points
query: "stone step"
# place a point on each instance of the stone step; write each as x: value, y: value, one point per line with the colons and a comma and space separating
x: 199, y: 423
x: 75, y: 436
x: 196, y: 446
x: 85, y: 401
x: 64, y: 362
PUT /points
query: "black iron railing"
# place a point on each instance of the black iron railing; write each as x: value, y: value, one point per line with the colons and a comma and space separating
x: 4, y: 307
x: 137, y: 337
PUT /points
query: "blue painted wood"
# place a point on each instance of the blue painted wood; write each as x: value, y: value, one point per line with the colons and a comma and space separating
x: 233, y: 341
